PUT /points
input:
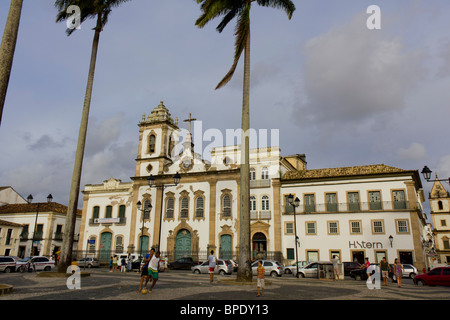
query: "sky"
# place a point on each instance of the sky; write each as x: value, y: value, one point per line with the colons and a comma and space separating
x: 336, y: 91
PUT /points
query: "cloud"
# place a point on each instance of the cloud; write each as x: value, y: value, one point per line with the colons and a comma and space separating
x: 415, y: 152
x: 103, y: 134
x: 354, y: 75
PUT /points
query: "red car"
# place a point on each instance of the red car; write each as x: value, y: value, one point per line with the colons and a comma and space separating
x: 436, y: 277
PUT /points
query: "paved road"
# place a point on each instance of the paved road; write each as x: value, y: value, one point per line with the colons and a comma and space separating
x: 183, y: 285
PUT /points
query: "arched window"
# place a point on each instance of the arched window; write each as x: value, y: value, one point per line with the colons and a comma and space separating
x: 252, y: 174
x: 440, y: 206
x: 151, y: 143
x: 147, y: 204
x: 265, y: 173
x: 265, y: 203
x: 252, y: 203
x: 226, y: 206
x: 184, y: 208
x: 170, y: 208
x: 199, y: 207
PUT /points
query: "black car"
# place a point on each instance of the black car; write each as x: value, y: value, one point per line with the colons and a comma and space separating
x: 183, y: 264
x: 361, y: 274
x: 349, y: 266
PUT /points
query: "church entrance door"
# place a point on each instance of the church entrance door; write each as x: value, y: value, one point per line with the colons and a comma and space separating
x: 225, y: 247
x: 105, y: 246
x: 183, y: 244
x: 259, y: 246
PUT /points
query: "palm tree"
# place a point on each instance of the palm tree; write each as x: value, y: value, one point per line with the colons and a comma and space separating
x: 240, y: 9
x: 7, y: 49
x: 99, y: 9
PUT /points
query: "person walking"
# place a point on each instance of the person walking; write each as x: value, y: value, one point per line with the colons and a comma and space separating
x: 153, y: 269
x: 260, y: 279
x: 114, y: 263
x: 144, y: 272
x: 123, y: 265
x: 385, y: 268
x: 366, y: 266
x: 129, y: 263
x: 110, y: 264
x: 166, y: 264
x: 212, y: 259
x: 335, y: 262
x: 398, y: 272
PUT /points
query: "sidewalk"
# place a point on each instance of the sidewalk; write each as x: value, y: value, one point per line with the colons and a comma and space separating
x: 183, y: 285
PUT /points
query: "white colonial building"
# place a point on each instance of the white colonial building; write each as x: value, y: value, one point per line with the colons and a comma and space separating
x: 366, y: 211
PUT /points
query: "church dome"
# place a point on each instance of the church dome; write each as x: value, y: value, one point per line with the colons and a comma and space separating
x: 159, y: 114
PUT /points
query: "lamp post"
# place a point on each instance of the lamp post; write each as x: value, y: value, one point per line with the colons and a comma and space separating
x: 391, y: 240
x: 427, y: 175
x: 144, y: 210
x: 29, y: 200
x: 151, y: 181
x: 295, y: 203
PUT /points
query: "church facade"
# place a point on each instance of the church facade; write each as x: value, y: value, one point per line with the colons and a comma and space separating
x: 354, y: 212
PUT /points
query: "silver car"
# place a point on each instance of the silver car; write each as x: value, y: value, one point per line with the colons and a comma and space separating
x: 310, y: 271
x: 271, y: 268
x: 89, y: 262
x: 224, y: 267
x: 292, y: 268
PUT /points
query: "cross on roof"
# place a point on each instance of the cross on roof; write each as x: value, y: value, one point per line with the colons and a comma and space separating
x: 190, y: 120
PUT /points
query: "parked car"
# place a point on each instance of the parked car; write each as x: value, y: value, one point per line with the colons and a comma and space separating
x: 89, y: 262
x: 234, y: 264
x: 409, y: 271
x: 309, y: 271
x: 36, y: 263
x: 7, y: 264
x: 349, y: 266
x: 437, y: 277
x: 271, y: 268
x: 291, y: 268
x: 361, y: 274
x: 183, y: 264
x: 224, y: 267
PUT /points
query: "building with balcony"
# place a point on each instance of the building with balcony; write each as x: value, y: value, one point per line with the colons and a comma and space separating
x: 355, y: 212
x: 42, y: 226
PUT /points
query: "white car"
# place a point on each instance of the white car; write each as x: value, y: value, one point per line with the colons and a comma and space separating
x: 36, y: 263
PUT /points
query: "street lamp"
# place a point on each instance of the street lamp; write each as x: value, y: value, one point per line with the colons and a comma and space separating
x: 151, y: 184
x: 144, y: 210
x: 391, y: 239
x: 29, y: 200
x: 426, y: 172
x: 295, y: 203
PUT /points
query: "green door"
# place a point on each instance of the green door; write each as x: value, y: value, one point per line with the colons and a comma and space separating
x: 105, y: 246
x: 225, y: 247
x: 183, y: 244
x: 143, y: 245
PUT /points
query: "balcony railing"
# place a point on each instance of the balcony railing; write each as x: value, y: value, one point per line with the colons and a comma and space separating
x: 261, y: 215
x: 352, y: 207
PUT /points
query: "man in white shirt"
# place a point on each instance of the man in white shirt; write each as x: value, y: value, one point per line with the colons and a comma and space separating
x: 212, y: 259
x: 153, y: 268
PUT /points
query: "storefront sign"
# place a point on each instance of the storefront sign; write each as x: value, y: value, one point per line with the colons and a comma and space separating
x: 364, y: 245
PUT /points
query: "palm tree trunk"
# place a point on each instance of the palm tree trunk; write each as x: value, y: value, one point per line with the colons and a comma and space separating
x: 244, y: 270
x: 7, y: 49
x: 69, y: 229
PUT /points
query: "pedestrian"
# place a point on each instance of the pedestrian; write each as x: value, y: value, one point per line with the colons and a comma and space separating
x: 123, y: 265
x: 114, y: 263
x: 260, y: 279
x: 335, y: 262
x: 212, y: 259
x: 366, y: 266
x: 110, y: 264
x: 385, y: 268
x: 144, y: 271
x: 153, y: 269
x: 166, y: 264
x: 398, y: 272
x: 129, y: 263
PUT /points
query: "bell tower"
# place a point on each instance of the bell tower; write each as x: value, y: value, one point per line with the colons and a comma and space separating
x: 156, y: 141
